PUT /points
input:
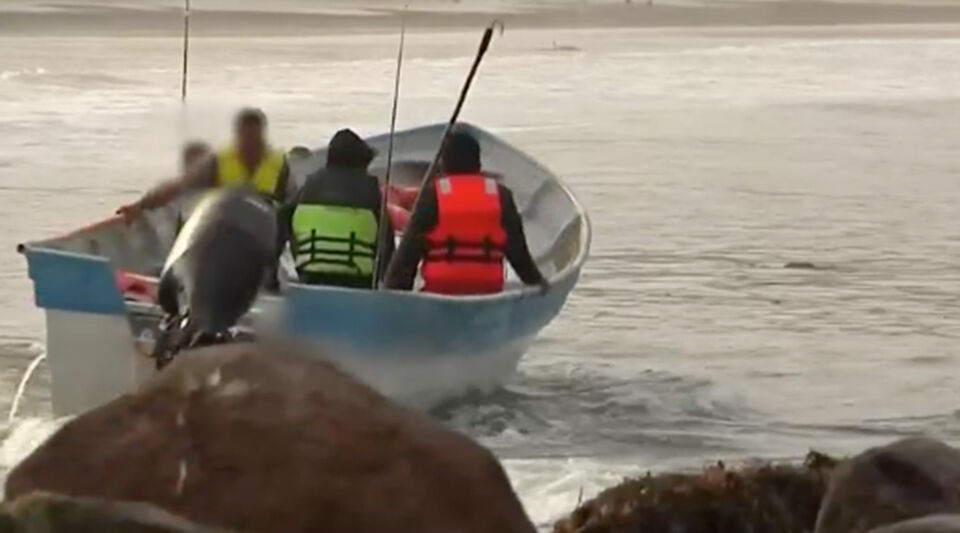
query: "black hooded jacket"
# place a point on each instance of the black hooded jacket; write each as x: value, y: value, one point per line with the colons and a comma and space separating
x: 345, y: 182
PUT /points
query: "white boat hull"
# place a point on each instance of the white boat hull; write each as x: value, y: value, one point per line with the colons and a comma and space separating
x: 94, y: 358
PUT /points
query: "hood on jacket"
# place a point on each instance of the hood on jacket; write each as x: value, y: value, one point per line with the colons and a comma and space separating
x: 347, y: 149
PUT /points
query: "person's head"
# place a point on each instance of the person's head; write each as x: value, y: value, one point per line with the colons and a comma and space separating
x: 250, y: 130
x: 298, y: 152
x: 192, y: 153
x: 461, y: 154
x: 347, y: 149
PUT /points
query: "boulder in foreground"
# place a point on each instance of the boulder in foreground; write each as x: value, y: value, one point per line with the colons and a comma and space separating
x: 51, y: 513
x: 251, y: 438
x: 945, y: 523
x: 907, y: 479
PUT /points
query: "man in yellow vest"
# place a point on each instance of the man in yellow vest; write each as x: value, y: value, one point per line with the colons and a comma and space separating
x: 248, y: 162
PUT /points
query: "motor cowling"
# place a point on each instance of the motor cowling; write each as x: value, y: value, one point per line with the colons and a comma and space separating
x: 219, y: 261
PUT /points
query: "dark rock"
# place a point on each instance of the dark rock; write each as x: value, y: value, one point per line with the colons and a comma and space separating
x: 51, y: 513
x: 251, y: 438
x: 782, y: 499
x: 907, y: 479
x: 563, y: 48
x: 944, y: 523
x: 801, y: 265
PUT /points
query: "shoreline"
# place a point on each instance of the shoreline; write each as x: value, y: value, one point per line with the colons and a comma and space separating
x: 118, y: 22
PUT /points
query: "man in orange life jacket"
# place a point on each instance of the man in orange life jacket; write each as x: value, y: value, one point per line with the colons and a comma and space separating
x: 464, y: 227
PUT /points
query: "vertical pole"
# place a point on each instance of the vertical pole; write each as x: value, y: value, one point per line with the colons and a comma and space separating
x: 186, y: 50
x: 382, y: 233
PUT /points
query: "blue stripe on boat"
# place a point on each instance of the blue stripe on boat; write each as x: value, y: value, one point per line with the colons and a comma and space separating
x: 418, y: 324
x: 377, y: 322
x: 73, y: 282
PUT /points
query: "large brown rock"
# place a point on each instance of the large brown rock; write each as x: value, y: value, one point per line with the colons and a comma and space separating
x: 907, y: 479
x: 51, y: 513
x: 945, y: 523
x: 251, y: 438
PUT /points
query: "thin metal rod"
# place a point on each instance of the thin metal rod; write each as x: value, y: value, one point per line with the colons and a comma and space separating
x: 405, y: 241
x: 484, y: 45
x: 382, y: 231
x: 186, y: 49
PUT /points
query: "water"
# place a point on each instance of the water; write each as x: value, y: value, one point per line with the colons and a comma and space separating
x: 707, y: 159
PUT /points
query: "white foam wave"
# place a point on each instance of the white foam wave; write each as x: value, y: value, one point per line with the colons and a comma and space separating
x: 22, y: 437
x: 550, y: 488
x: 18, y: 73
x: 21, y: 388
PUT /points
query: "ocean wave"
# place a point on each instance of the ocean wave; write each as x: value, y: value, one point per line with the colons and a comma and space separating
x: 21, y: 438
x: 80, y: 80
x: 6, y: 75
x: 17, y: 346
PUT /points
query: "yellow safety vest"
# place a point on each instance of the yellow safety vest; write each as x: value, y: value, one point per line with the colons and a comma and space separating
x: 231, y: 172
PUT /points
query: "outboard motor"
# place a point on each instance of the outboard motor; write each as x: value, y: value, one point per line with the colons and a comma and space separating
x: 219, y: 261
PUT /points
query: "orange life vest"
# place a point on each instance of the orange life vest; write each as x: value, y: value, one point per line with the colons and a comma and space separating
x: 465, y: 251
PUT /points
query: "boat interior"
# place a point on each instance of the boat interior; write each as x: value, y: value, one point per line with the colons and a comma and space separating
x: 556, y: 226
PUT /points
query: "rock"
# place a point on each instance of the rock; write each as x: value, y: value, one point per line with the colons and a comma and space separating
x: 251, y: 438
x: 945, y: 523
x: 782, y: 499
x: 50, y: 513
x: 800, y: 265
x: 908, y: 479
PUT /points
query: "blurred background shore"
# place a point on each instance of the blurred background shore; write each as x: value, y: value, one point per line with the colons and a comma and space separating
x: 211, y: 17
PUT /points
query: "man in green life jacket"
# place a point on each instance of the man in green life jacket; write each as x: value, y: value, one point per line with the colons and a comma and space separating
x: 248, y: 162
x: 334, y: 223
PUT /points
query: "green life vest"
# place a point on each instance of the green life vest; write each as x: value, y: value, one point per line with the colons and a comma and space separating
x: 332, y: 239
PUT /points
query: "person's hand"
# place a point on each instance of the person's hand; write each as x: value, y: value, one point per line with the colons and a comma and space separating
x: 130, y: 211
x: 543, y: 286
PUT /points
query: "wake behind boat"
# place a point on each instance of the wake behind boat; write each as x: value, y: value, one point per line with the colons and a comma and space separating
x: 414, y: 347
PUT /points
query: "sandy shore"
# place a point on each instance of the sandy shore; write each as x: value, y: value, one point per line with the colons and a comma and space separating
x: 287, y: 19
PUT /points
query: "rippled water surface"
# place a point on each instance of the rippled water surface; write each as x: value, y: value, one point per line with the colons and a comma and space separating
x: 707, y: 161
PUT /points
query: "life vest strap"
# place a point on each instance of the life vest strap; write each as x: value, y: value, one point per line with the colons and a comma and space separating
x: 357, y: 245
x: 331, y: 261
x: 453, y: 251
x: 309, y: 252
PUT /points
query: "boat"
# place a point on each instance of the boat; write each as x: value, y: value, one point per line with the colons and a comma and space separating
x: 95, y: 285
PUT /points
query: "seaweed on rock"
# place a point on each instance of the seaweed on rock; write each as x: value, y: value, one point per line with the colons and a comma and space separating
x: 764, y: 499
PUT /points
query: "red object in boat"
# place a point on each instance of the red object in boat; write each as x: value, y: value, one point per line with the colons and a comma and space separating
x: 136, y: 287
x: 399, y: 217
x: 402, y: 196
x: 399, y: 204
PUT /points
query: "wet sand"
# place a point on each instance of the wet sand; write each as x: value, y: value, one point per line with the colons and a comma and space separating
x: 222, y: 19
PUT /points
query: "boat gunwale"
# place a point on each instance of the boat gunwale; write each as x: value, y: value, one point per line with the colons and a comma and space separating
x: 559, y: 277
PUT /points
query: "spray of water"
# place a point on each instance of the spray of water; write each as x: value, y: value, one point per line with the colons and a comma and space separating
x: 23, y: 385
